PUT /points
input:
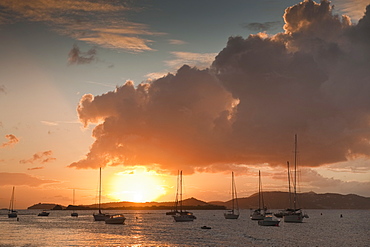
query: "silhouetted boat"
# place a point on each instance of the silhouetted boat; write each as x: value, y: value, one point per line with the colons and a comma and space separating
x: 259, y: 213
x: 234, y: 212
x: 181, y: 215
x: 294, y: 215
x: 100, y: 216
x: 12, y: 213
x: 43, y: 213
x: 74, y: 214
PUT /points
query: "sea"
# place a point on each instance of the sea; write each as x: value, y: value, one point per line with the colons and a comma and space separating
x: 155, y: 228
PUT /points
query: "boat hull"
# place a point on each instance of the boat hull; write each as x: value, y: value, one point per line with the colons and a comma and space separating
x: 115, y: 219
x: 231, y: 216
x: 74, y: 214
x: 12, y: 215
x: 101, y: 217
x: 183, y: 218
x: 293, y: 218
x: 43, y: 214
x: 269, y: 222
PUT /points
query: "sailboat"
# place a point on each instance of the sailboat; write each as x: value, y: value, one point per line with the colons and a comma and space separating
x: 100, y: 216
x: 259, y: 213
x: 283, y: 212
x: 234, y: 212
x: 175, y: 210
x: 12, y: 213
x: 181, y: 215
x: 74, y: 214
x: 294, y: 215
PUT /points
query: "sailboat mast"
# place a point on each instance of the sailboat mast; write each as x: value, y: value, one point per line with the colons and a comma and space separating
x: 73, y: 201
x: 295, y: 171
x: 290, y: 192
x: 11, y: 205
x: 180, y: 191
x: 232, y: 190
x: 262, y: 199
x: 99, y: 188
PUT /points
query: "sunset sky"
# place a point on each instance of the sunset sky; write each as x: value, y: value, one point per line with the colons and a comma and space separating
x: 146, y: 88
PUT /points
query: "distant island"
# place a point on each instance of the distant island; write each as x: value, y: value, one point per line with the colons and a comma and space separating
x: 273, y: 200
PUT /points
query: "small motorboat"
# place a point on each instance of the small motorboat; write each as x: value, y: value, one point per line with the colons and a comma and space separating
x: 43, y: 213
x: 206, y: 227
x: 269, y: 220
x: 115, y: 219
x: 74, y: 214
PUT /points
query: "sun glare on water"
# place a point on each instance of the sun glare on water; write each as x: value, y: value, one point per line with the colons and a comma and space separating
x: 137, y: 185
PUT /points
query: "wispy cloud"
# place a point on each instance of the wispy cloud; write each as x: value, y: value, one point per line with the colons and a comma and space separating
x: 97, y: 22
x: 22, y: 179
x: 354, y: 8
x: 12, y: 141
x: 40, y: 157
x: 199, y: 60
x: 75, y: 56
x: 49, y: 123
x: 36, y: 168
x: 176, y: 42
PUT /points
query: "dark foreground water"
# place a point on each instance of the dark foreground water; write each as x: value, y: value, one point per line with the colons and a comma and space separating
x: 154, y: 228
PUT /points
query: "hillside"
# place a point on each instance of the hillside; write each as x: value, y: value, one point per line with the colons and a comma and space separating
x: 310, y: 200
x: 273, y: 200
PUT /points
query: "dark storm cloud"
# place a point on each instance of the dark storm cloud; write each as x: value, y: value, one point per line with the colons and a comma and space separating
x: 312, y: 80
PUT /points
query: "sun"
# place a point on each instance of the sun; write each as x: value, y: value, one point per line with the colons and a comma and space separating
x: 137, y: 185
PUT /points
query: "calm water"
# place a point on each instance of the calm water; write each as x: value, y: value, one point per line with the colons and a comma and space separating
x: 154, y: 228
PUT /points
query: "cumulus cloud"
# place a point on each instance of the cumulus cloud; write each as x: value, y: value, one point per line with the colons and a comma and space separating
x: 199, y: 60
x: 40, y: 157
x: 12, y: 140
x: 75, y: 56
x: 96, y: 22
x: 22, y: 179
x: 311, y: 80
x: 262, y: 27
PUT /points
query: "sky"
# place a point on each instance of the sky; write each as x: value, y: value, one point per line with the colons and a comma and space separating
x: 144, y: 89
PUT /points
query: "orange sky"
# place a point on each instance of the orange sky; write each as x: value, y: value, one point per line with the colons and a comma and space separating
x: 143, y: 97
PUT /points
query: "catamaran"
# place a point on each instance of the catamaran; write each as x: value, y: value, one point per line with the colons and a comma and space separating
x: 234, y: 212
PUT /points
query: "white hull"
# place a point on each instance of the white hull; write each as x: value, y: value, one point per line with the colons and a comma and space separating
x: 269, y: 220
x: 115, y: 219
